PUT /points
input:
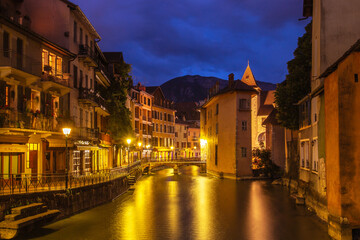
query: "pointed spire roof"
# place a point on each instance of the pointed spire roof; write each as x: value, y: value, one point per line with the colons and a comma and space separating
x: 248, y: 77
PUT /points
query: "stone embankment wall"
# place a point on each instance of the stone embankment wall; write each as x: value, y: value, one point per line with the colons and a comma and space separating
x: 71, y: 201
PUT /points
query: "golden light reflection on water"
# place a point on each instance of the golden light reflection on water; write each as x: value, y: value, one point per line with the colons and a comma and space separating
x: 259, y: 223
x: 202, y: 222
x: 173, y: 207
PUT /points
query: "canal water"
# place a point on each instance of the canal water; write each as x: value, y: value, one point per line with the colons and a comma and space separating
x: 192, y: 206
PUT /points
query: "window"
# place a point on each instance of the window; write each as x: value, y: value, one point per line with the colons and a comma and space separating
x: 6, y: 44
x: 244, y: 104
x: 315, y: 156
x: 19, y: 53
x: 75, y: 32
x: 81, y: 36
x: 165, y: 128
x: 87, y: 81
x: 244, y: 125
x: 305, y: 114
x: 149, y: 101
x: 157, y: 127
x: 314, y: 110
x: 304, y: 154
x: 185, y: 135
x: 160, y: 116
x: 86, y: 40
x: 81, y: 79
x: 165, y: 117
x: 75, y: 76
x: 176, y: 134
x: 217, y: 109
x: 216, y: 154
x: 243, y: 151
x: 58, y: 66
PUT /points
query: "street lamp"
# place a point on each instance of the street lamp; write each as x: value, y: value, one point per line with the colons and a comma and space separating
x: 66, y: 132
x: 128, y: 142
x: 139, y: 144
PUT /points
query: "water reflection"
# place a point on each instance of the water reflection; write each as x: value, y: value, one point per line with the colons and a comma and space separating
x: 192, y: 206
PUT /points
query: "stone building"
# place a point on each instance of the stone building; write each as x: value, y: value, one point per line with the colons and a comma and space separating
x: 65, y: 24
x: 34, y: 80
x: 180, y: 138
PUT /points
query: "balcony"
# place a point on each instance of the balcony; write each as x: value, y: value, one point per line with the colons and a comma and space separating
x: 101, y: 105
x: 59, y: 82
x: 101, y: 73
x: 20, y: 67
x: 89, y: 133
x: 34, y: 121
x: 87, y: 96
x: 87, y: 55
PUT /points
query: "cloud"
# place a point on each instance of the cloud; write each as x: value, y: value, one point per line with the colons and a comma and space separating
x: 164, y: 39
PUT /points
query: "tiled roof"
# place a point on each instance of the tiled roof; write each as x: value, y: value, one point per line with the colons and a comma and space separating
x: 271, y: 119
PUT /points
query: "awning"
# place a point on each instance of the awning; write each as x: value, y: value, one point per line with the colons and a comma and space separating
x: 87, y: 147
x: 13, y: 148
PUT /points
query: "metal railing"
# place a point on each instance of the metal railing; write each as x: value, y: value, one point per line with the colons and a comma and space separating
x: 62, y: 78
x: 36, y: 121
x: 29, y: 183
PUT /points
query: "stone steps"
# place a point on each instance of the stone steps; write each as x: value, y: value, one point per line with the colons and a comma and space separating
x: 131, y: 180
x: 26, y: 217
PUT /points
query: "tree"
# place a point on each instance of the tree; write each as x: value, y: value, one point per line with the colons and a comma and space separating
x: 119, y: 123
x: 297, y: 83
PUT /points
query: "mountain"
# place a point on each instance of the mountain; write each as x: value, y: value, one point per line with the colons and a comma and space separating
x: 194, y: 88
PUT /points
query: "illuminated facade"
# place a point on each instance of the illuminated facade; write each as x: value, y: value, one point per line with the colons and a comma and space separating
x: 163, y: 120
x: 33, y: 82
x: 180, y: 139
x: 142, y: 120
x: 231, y: 125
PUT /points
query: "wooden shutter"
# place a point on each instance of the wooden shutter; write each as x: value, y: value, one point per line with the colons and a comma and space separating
x: 20, y: 97
x: 2, y: 94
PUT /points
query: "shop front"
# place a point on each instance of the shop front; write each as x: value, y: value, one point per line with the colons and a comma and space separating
x: 83, y: 157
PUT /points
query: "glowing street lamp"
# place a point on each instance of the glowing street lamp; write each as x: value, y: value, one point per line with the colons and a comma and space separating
x: 128, y: 142
x: 66, y: 132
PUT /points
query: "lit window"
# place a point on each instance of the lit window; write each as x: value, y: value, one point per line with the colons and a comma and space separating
x: 58, y: 66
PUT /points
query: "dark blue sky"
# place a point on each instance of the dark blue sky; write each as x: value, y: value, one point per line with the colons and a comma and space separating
x: 163, y: 39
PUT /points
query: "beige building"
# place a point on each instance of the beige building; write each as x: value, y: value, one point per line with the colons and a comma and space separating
x: 65, y: 24
x: 34, y: 81
x: 180, y: 138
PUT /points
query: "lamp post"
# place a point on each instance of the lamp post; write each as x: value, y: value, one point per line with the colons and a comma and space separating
x: 139, y: 144
x: 66, y: 132
x: 128, y: 142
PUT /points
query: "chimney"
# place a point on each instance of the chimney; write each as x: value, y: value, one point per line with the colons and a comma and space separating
x: 231, y: 79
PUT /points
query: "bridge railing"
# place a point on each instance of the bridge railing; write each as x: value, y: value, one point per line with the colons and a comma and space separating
x: 175, y: 160
x: 28, y: 183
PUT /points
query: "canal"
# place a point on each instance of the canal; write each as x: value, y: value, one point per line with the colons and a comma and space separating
x: 192, y: 206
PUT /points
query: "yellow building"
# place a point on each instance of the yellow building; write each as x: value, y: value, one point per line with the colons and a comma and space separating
x: 231, y: 125
x: 342, y: 136
x: 228, y: 146
x: 193, y: 141
x: 163, y: 120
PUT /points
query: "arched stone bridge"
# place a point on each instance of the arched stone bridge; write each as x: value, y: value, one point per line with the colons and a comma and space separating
x: 148, y: 165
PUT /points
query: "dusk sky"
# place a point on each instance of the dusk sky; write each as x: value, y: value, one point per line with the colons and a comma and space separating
x: 164, y: 39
